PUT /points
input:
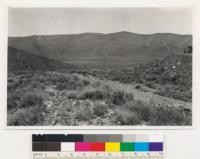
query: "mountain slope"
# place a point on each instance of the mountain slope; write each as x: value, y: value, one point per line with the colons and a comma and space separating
x: 121, y: 48
x: 19, y: 60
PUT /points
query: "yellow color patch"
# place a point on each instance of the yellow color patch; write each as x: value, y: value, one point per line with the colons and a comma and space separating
x: 112, y: 146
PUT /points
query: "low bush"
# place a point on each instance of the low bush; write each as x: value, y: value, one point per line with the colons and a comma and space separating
x: 86, y: 82
x: 84, y: 112
x: 13, y: 85
x: 96, y: 84
x: 69, y: 83
x: 126, y: 118
x: 158, y: 115
x: 13, y: 101
x: 26, y: 117
x: 164, y: 115
x: 37, y: 84
x: 120, y: 97
x: 140, y: 108
x: 31, y: 99
x: 94, y: 95
x: 100, y: 109
x: 72, y: 95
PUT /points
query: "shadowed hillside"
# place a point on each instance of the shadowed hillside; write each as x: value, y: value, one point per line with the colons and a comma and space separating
x: 19, y: 60
x: 105, y: 50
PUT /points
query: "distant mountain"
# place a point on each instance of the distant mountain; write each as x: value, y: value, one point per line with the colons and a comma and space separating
x: 19, y: 60
x: 94, y: 49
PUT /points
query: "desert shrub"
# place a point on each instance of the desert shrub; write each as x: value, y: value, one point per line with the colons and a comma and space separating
x: 86, y: 82
x: 57, y: 78
x: 69, y: 83
x: 140, y: 108
x: 96, y: 84
x: 65, y: 118
x: 150, y: 85
x: 164, y: 115
x: 137, y: 86
x: 37, y: 84
x: 100, y: 109
x: 84, y: 112
x: 31, y: 99
x: 10, y: 80
x: 126, y: 118
x: 94, y: 95
x: 12, y: 100
x: 72, y: 95
x: 26, y: 117
x: 14, y: 85
x: 120, y: 97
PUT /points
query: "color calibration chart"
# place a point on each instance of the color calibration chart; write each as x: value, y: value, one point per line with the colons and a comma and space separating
x: 96, y: 146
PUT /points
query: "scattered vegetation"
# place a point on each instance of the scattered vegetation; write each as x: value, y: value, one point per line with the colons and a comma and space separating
x: 58, y: 98
x: 175, y: 71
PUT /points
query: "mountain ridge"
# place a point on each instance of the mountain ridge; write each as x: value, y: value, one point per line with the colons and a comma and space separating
x: 88, y: 48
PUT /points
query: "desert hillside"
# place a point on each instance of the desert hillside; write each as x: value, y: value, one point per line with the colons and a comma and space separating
x: 103, y: 50
x: 19, y: 60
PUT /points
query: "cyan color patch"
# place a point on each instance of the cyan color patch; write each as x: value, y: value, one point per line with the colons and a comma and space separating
x: 141, y: 146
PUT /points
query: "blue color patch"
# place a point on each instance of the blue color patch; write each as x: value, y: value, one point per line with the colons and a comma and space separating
x: 141, y: 146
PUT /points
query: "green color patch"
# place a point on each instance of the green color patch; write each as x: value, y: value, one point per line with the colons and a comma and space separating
x: 127, y: 146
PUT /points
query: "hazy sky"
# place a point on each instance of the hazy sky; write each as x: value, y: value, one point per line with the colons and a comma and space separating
x: 42, y: 21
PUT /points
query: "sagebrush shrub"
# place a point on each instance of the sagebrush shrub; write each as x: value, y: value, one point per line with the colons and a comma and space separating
x: 26, y: 117
x: 84, y: 112
x: 12, y: 101
x: 94, y: 95
x: 100, y: 109
x: 139, y: 108
x: 164, y: 115
x: 126, y: 118
x: 120, y: 97
x: 31, y: 99
x: 86, y: 82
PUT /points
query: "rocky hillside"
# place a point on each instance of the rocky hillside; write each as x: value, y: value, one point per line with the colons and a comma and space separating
x: 172, y: 75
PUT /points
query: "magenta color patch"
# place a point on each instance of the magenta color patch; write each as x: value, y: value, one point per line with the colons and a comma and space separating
x: 82, y: 146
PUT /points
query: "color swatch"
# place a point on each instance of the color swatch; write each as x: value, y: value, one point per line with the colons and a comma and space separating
x: 97, y: 143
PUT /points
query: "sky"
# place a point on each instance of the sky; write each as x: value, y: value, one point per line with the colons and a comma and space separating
x: 48, y: 21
